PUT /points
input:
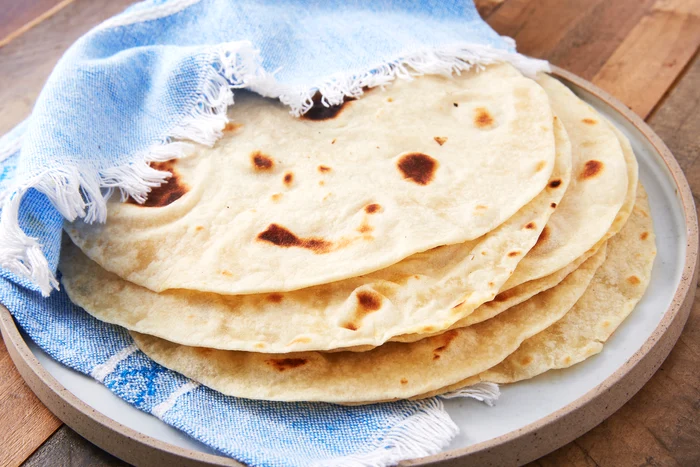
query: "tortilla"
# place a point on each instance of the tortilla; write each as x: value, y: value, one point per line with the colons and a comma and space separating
x: 389, y: 372
x: 614, y: 292
x: 598, y: 189
x: 282, y: 203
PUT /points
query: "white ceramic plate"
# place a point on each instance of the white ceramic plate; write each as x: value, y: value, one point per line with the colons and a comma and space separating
x: 531, y: 418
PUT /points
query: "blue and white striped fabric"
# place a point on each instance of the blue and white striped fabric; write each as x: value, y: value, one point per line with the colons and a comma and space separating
x: 134, y: 90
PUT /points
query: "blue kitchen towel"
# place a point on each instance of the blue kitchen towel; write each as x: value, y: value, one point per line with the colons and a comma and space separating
x: 136, y: 89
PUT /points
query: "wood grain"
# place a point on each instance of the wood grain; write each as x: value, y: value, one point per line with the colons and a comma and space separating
x: 20, y: 16
x: 26, y: 423
x: 660, y: 425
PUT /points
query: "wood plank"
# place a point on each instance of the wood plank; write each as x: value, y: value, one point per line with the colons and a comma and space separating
x: 25, y: 422
x: 67, y: 448
x: 659, y: 426
x: 28, y: 60
x: 20, y: 16
x: 653, y: 54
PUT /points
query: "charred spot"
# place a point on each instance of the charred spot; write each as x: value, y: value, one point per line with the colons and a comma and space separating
x: 591, y: 169
x: 261, y: 162
x: 513, y: 254
x: 634, y: 280
x: 324, y: 169
x: 644, y: 235
x: 404, y: 381
x: 230, y: 127
x: 553, y: 205
x: 275, y: 297
x: 279, y: 236
x: 530, y: 225
x: 282, y: 364
x: 483, y: 118
x: 365, y: 228
x: 350, y: 326
x: 369, y: 301
x: 288, y: 178
x: 168, y: 192
x: 372, y: 208
x: 417, y: 167
x: 589, y: 121
x: 554, y: 183
x: 440, y: 140
x: 319, y: 111
x: 455, y: 104
x: 436, y: 356
x: 445, y: 339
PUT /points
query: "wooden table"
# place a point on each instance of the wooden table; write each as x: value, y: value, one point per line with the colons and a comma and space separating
x: 642, y: 51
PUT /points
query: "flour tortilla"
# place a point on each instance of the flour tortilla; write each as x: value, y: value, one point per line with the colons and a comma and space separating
x: 419, y: 294
x: 599, y: 185
x: 282, y: 203
x: 392, y: 371
x: 512, y: 296
x: 616, y: 288
x: 614, y: 292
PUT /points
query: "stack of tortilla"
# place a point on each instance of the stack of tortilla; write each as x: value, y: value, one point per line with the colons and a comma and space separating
x: 430, y: 235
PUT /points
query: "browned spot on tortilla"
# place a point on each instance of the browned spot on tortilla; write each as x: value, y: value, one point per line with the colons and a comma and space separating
x: 389, y: 99
x: 283, y: 364
x: 436, y: 356
x: 440, y: 140
x: 503, y: 296
x: 318, y: 111
x: 261, y: 162
x: 301, y: 340
x: 230, y: 126
x: 526, y: 360
x: 275, y: 297
x: 458, y: 305
x: 350, y: 326
x: 513, y: 254
x: 428, y: 329
x: 288, y: 178
x: 204, y: 351
x: 483, y: 118
x: 278, y: 235
x: 445, y: 339
x: 323, y: 168
x: 483, y: 253
x: 455, y: 104
x: 168, y: 192
x: 276, y: 197
x: 530, y: 225
x: 260, y: 345
x: 644, y: 235
x: 491, y: 284
x: 365, y: 228
x: 553, y: 205
x: 544, y: 235
x: 321, y: 183
x: 227, y: 273
x: 368, y: 301
x: 554, y: 183
x: 333, y: 142
x: 634, y: 280
x: 404, y: 381
x: 199, y: 228
x: 540, y: 165
x: 417, y: 167
x: 606, y: 323
x: 589, y: 121
x: 591, y: 169
x: 372, y: 208
x: 567, y: 360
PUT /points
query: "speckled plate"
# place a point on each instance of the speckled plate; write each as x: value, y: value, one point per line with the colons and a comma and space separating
x: 531, y: 418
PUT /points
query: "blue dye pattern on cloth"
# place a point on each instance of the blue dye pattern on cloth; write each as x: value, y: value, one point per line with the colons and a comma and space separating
x: 126, y: 94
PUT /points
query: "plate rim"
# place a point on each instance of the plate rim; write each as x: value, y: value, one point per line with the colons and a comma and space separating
x: 522, y: 445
